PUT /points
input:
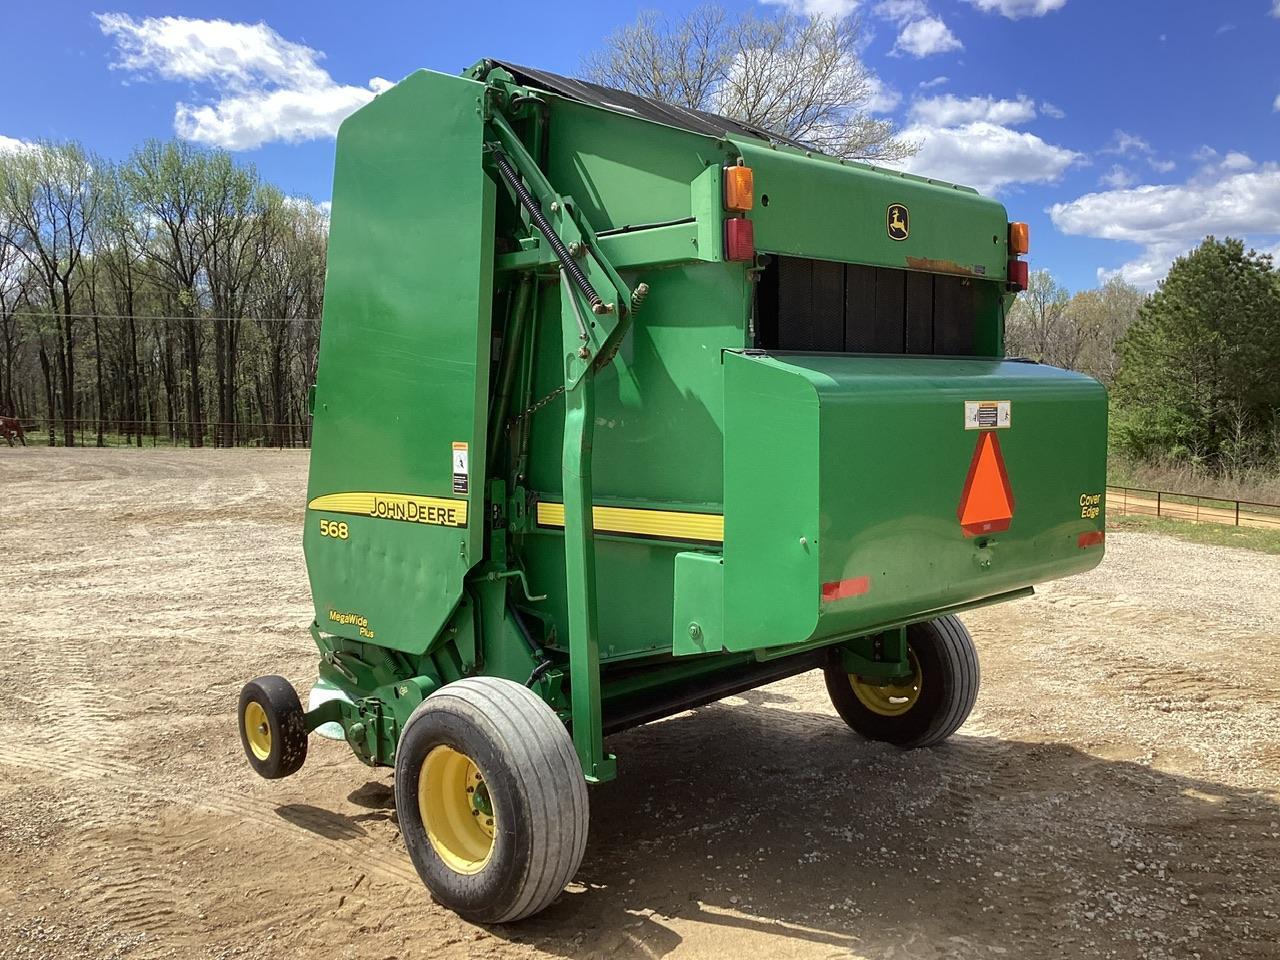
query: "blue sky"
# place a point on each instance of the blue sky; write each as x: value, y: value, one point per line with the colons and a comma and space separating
x: 1122, y: 130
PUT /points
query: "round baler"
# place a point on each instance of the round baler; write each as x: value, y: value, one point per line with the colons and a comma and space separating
x: 622, y: 409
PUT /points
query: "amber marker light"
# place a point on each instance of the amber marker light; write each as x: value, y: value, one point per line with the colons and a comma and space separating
x: 1019, y: 239
x: 739, y: 189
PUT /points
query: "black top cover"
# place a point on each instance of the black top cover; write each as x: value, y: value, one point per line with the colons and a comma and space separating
x: 619, y: 101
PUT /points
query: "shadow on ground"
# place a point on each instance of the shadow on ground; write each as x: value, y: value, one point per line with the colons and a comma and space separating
x: 781, y: 824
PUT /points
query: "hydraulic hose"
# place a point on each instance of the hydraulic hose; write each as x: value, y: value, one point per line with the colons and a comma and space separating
x: 545, y: 663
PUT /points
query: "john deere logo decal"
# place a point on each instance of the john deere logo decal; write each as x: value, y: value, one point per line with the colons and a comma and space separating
x: 899, y: 222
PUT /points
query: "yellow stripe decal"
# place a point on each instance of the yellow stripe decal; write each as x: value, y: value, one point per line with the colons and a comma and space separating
x: 665, y: 524
x: 436, y: 511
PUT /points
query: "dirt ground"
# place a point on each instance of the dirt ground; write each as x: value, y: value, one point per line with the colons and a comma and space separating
x: 1116, y: 792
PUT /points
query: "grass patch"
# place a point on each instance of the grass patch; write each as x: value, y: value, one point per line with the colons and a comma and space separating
x: 1250, y: 538
x: 1257, y: 485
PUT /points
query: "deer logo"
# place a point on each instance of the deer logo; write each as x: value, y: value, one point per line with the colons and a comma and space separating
x: 899, y: 221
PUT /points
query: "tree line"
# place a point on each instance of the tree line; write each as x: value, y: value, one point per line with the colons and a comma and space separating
x: 174, y: 295
x: 1193, y: 369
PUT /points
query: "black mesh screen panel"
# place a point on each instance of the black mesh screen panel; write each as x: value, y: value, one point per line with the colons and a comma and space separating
x: 824, y: 307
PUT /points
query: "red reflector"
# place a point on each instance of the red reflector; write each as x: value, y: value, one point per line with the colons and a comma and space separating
x: 839, y: 589
x: 1018, y: 274
x: 739, y: 239
x: 1090, y: 539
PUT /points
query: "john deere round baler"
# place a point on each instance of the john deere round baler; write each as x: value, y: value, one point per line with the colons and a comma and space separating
x: 623, y: 408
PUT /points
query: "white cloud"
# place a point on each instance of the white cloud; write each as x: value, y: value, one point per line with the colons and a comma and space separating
x: 921, y: 33
x: 817, y: 8
x: 13, y: 145
x: 1015, y: 9
x: 1127, y: 144
x: 1236, y: 161
x: 1167, y: 220
x: 986, y: 155
x: 926, y: 37
x: 1275, y: 8
x: 1052, y: 111
x: 1276, y: 105
x: 1117, y: 177
x: 930, y: 84
x: 264, y: 87
x: 900, y: 11
x: 952, y: 111
x: 881, y: 98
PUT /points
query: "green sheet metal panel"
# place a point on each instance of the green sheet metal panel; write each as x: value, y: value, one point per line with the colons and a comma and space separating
x: 820, y: 208
x: 623, y: 171
x: 771, y: 508
x: 850, y: 471
x: 658, y: 444
x: 403, y: 368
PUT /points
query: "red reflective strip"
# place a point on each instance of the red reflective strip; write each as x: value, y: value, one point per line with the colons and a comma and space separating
x: 839, y: 589
x: 1090, y: 539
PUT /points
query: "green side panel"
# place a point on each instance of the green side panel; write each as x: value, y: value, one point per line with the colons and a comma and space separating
x: 622, y: 171
x: 404, y: 360
x: 660, y: 403
x: 845, y: 470
x: 821, y: 208
x: 658, y: 443
x: 698, y: 625
x: 771, y: 510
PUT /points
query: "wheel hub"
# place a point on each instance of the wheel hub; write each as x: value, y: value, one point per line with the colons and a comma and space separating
x: 457, y: 810
x: 257, y: 730
x: 891, y: 699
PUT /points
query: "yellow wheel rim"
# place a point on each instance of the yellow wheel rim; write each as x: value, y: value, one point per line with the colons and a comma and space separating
x: 456, y: 809
x: 894, y: 699
x: 257, y: 730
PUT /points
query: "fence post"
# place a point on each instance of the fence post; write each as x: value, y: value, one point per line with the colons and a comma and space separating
x: 1237, y: 513
x: 1158, y: 495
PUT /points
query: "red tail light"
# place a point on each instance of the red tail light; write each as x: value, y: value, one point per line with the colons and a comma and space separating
x: 1018, y: 274
x: 739, y: 239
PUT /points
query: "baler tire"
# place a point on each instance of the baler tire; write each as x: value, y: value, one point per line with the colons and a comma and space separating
x: 948, y: 688
x: 518, y: 749
x: 281, y: 749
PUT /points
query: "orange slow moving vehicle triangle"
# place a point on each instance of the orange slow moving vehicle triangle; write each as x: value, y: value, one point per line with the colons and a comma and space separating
x: 986, y: 505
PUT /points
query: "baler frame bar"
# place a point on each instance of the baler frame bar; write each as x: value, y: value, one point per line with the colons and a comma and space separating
x: 567, y: 233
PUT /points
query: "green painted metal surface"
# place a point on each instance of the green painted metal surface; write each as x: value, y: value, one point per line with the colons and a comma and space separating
x: 851, y: 470
x: 404, y: 365
x: 831, y: 210
x: 646, y: 503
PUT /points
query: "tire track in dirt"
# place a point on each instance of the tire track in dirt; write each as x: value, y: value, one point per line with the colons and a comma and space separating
x: 313, y: 825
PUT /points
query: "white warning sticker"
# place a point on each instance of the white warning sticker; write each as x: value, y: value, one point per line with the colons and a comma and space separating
x: 460, y: 467
x: 988, y: 414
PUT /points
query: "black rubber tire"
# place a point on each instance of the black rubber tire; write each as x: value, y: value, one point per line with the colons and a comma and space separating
x: 950, y: 677
x: 535, y: 783
x: 284, y: 713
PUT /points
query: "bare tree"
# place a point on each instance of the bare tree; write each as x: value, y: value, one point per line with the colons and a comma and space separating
x: 166, y: 183
x: 14, y: 281
x: 48, y: 199
x: 234, y: 224
x: 118, y: 248
x: 1038, y: 325
x: 1105, y: 315
x: 288, y: 286
x: 800, y: 77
